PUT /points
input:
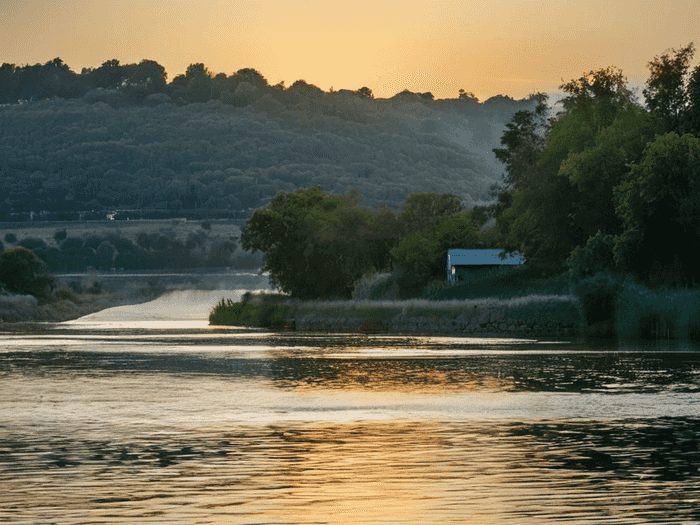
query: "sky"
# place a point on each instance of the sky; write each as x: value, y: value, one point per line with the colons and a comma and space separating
x: 488, y: 47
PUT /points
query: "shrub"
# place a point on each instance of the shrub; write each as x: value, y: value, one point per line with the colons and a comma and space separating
x: 66, y: 294
x: 598, y: 297
x: 264, y: 311
x: 504, y: 283
x: 22, y: 272
x: 60, y: 235
x: 10, y: 238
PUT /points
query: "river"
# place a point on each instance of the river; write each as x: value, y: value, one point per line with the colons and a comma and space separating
x: 145, y: 414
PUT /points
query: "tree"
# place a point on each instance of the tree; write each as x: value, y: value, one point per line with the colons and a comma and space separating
x: 314, y: 244
x: 523, y: 142
x: 149, y: 75
x: 421, y: 210
x: 467, y: 95
x: 108, y: 75
x: 250, y: 75
x: 691, y: 122
x: 365, y: 92
x: 421, y: 254
x: 666, y: 93
x: 659, y: 205
x: 560, y: 183
x: 22, y: 272
x: 199, y: 83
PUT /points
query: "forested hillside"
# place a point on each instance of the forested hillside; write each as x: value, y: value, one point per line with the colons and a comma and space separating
x: 131, y: 145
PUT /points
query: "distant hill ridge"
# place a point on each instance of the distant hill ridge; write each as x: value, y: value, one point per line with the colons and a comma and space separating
x: 108, y: 151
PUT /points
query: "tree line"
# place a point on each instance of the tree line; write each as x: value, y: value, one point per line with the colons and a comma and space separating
x: 610, y: 183
x: 108, y: 151
x: 608, y: 187
x: 318, y: 245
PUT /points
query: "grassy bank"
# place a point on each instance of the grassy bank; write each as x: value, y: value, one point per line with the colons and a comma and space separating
x: 533, y: 315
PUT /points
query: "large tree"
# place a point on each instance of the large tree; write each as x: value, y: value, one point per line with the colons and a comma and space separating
x: 317, y: 245
x: 666, y: 89
x: 560, y: 175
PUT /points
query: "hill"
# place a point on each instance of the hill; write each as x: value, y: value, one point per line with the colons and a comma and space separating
x: 102, y: 152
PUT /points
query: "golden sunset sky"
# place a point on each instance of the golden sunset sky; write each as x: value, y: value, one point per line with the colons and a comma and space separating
x: 489, y: 47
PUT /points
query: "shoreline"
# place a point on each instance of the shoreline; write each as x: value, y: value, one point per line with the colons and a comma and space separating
x: 25, y: 309
x: 523, y: 317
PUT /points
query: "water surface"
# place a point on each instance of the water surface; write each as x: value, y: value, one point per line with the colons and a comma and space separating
x: 146, y: 414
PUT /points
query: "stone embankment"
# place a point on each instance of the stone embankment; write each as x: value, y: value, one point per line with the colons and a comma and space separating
x: 550, y: 318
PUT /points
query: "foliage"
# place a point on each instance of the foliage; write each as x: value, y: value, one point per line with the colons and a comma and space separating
x: 595, y: 257
x: 137, y: 247
x: 421, y: 210
x: 264, y: 311
x: 598, y: 297
x: 504, y: 283
x: 659, y: 313
x: 666, y: 93
x: 76, y: 155
x: 421, y: 255
x: 319, y: 245
x: 523, y: 140
x: 659, y: 205
x: 560, y: 182
x: 22, y: 272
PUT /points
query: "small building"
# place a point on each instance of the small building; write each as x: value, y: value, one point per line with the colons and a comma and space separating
x: 463, y: 263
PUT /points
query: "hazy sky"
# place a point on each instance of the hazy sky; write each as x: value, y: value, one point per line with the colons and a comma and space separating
x: 511, y: 47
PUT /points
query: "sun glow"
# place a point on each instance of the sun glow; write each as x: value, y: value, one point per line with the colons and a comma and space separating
x: 511, y: 47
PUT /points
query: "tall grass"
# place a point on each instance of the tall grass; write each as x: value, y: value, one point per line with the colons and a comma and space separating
x: 265, y: 311
x: 505, y: 283
x: 658, y: 314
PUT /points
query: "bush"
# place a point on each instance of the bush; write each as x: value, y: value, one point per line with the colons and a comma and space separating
x: 60, y: 235
x: 264, y: 311
x: 66, y: 294
x: 598, y: 297
x: 10, y: 238
x: 22, y: 272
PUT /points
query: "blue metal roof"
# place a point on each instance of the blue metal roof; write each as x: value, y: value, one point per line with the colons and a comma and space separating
x: 481, y: 257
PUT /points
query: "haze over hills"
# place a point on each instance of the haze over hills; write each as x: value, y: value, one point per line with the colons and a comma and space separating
x: 112, y: 149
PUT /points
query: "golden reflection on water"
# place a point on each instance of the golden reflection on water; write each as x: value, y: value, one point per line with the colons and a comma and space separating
x: 397, y: 471
x: 250, y: 427
x: 392, y: 377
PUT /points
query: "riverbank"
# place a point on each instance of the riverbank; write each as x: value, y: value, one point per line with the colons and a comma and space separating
x: 556, y: 316
x: 25, y: 308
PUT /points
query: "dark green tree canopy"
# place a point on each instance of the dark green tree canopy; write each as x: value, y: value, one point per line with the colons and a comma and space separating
x: 666, y: 89
x: 317, y: 245
x: 22, y: 272
x: 659, y: 205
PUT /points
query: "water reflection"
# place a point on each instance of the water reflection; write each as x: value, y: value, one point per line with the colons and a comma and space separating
x: 144, y: 422
x: 399, y: 471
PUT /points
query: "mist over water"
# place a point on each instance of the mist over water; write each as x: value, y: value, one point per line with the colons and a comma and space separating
x: 147, y: 414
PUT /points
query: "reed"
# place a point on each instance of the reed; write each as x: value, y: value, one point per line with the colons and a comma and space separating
x: 658, y: 313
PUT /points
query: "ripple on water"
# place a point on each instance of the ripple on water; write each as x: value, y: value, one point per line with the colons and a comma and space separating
x: 409, y: 471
